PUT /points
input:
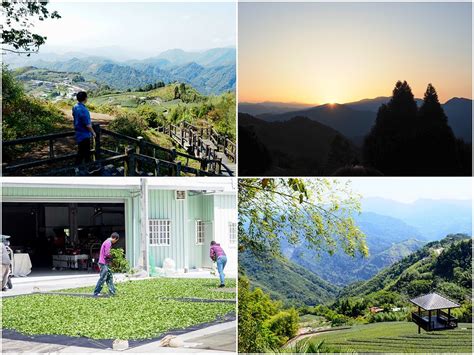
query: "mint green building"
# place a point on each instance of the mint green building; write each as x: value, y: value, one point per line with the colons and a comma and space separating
x: 157, y: 218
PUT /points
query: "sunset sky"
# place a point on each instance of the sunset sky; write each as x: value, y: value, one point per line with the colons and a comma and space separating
x: 341, y: 52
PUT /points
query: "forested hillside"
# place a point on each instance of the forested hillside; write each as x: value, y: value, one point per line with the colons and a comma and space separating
x: 286, y: 281
x: 443, y: 266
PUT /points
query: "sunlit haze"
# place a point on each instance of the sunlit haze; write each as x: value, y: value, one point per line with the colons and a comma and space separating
x: 342, y: 52
x: 139, y: 29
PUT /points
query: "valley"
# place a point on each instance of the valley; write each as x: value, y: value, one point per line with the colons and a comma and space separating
x: 167, y: 111
x: 332, y: 301
x: 341, y: 139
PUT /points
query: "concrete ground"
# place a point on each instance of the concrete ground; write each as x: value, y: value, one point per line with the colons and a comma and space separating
x: 220, y: 338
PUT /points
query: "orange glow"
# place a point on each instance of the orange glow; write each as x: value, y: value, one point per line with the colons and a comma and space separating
x: 338, y: 53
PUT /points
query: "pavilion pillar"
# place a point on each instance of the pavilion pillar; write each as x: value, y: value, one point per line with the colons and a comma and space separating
x: 419, y: 313
x: 429, y: 320
x: 449, y: 316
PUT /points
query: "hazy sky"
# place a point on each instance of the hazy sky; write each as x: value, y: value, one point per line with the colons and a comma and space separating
x: 413, y: 188
x: 342, y: 52
x: 141, y: 28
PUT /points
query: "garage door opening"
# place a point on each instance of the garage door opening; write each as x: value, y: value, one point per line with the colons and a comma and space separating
x: 60, y: 237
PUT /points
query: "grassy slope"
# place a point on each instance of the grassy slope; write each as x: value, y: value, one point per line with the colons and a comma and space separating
x: 139, y: 311
x: 398, y: 337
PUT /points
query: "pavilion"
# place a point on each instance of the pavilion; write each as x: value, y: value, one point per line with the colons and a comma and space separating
x: 430, y: 315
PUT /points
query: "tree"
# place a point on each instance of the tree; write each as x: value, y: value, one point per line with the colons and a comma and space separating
x: 16, y: 31
x: 435, y: 140
x: 316, y: 211
x: 390, y: 143
x: 176, y: 93
x: 341, y: 154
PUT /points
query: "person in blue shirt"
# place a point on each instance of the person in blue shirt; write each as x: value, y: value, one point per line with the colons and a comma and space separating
x: 83, y: 128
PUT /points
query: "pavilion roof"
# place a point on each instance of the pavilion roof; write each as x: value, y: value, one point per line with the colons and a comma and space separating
x: 433, y: 301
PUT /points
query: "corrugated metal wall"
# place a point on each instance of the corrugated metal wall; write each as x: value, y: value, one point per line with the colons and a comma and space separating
x: 30, y: 191
x: 163, y: 205
x: 225, y: 212
x: 219, y: 209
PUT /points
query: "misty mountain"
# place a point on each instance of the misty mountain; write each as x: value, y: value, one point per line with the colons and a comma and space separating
x: 432, y: 218
x: 270, y: 108
x: 349, y: 122
x: 373, y: 104
x: 210, y: 72
x: 388, y: 239
x: 209, y: 58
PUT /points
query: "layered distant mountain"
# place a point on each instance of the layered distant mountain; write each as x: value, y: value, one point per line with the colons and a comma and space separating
x: 393, y: 230
x: 270, y: 107
x: 432, y: 218
x: 389, y: 240
x: 211, y: 72
x: 354, y: 119
x: 349, y: 122
x: 298, y: 146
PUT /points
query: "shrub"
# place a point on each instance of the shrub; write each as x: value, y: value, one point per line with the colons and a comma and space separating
x: 284, y: 325
x: 119, y: 263
x: 150, y: 115
x: 24, y: 116
x: 130, y: 124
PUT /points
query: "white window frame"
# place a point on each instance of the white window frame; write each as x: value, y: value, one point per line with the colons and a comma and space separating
x: 199, y: 232
x: 232, y: 233
x: 159, y: 232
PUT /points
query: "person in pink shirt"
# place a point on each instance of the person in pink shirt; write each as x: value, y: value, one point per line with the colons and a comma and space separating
x: 217, y: 254
x: 104, y: 261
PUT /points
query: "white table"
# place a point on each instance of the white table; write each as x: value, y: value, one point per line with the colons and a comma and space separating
x: 70, y: 261
x: 21, y: 264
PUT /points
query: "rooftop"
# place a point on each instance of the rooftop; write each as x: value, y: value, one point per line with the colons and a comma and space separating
x: 433, y: 301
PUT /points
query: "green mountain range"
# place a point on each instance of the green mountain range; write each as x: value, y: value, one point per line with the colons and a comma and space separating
x: 443, y: 266
x: 210, y: 72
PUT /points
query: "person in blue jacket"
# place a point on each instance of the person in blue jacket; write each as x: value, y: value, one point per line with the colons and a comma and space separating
x: 83, y: 128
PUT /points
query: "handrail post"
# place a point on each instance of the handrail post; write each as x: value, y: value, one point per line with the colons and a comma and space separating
x: 130, y: 166
x: 96, y: 128
x: 173, y: 154
x: 204, y: 164
x: 140, y: 149
x: 219, y: 167
x: 51, y: 148
x: 178, y: 168
x: 157, y: 167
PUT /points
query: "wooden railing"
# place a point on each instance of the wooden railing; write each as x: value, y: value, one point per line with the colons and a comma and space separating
x: 437, y: 317
x: 192, y: 138
x: 135, y: 155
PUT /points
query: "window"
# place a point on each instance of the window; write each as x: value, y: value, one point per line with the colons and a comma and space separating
x: 232, y: 233
x: 199, y: 232
x: 160, y: 231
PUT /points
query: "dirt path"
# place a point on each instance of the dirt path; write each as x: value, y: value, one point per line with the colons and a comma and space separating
x: 102, y: 118
x: 313, y: 333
